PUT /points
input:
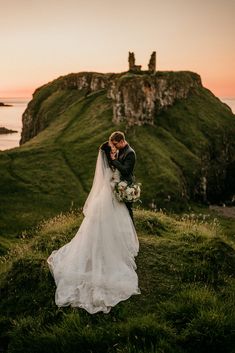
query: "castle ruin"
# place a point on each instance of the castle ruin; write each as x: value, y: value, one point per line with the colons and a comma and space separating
x: 137, y: 68
x: 132, y: 66
x: 152, y: 63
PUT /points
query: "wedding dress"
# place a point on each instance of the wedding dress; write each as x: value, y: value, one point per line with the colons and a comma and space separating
x: 96, y: 269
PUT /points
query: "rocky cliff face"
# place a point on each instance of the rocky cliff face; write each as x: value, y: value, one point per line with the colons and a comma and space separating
x: 91, y: 81
x: 136, y: 98
x: 32, y: 124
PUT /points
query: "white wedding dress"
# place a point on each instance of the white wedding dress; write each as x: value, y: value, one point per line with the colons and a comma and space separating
x: 96, y: 269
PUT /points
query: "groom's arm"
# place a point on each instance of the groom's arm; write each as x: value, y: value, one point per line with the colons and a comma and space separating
x: 127, y: 166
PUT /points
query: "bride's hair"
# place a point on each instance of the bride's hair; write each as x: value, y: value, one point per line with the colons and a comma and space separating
x: 107, y: 149
x: 117, y: 136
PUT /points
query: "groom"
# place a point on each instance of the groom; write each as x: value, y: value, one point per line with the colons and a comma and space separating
x: 124, y: 162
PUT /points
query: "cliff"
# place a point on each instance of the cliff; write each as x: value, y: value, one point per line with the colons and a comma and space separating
x: 136, y: 98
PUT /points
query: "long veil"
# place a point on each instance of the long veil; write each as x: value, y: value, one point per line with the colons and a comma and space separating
x: 102, y: 173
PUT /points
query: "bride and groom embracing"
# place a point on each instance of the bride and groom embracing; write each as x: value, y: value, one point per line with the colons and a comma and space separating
x: 96, y: 269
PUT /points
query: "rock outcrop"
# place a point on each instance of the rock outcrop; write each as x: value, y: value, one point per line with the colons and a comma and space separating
x: 4, y: 130
x: 5, y: 105
x: 90, y: 81
x: 35, y: 119
x: 136, y: 98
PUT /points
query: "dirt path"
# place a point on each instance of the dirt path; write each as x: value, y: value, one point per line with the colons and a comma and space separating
x: 228, y: 212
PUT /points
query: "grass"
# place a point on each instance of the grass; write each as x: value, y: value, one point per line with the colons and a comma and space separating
x: 186, y: 275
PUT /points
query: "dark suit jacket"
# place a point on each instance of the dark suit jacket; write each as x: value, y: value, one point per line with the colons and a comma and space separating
x: 125, y: 163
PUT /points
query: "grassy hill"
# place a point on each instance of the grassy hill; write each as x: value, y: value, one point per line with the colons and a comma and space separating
x: 186, y: 275
x: 53, y: 171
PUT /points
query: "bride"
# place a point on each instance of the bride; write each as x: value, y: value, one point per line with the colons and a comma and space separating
x: 96, y: 269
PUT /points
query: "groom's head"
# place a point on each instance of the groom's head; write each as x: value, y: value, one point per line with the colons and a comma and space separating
x: 118, y: 139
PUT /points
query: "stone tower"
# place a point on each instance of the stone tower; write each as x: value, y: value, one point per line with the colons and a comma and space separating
x: 132, y: 66
x: 152, y: 63
x: 131, y: 60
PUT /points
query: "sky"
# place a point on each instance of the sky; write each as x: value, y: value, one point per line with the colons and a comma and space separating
x: 41, y: 40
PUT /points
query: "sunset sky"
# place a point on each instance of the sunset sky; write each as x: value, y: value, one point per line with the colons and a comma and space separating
x: 41, y: 40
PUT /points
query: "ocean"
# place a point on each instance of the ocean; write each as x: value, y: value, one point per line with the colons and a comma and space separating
x: 11, y: 118
x: 230, y: 102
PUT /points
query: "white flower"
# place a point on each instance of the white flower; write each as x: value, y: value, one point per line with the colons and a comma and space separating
x: 129, y: 191
x: 124, y: 192
x: 122, y: 184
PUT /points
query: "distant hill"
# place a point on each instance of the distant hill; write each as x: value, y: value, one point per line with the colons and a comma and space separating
x: 183, y: 136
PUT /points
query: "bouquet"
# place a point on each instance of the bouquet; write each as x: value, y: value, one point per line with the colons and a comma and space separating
x: 127, y: 193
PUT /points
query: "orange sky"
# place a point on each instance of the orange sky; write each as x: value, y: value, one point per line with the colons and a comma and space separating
x: 41, y: 40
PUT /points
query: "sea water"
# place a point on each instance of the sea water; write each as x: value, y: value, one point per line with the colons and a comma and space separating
x: 11, y: 118
x: 230, y: 102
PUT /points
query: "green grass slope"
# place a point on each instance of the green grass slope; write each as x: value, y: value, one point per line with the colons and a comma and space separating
x: 186, y: 275
x: 53, y: 171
